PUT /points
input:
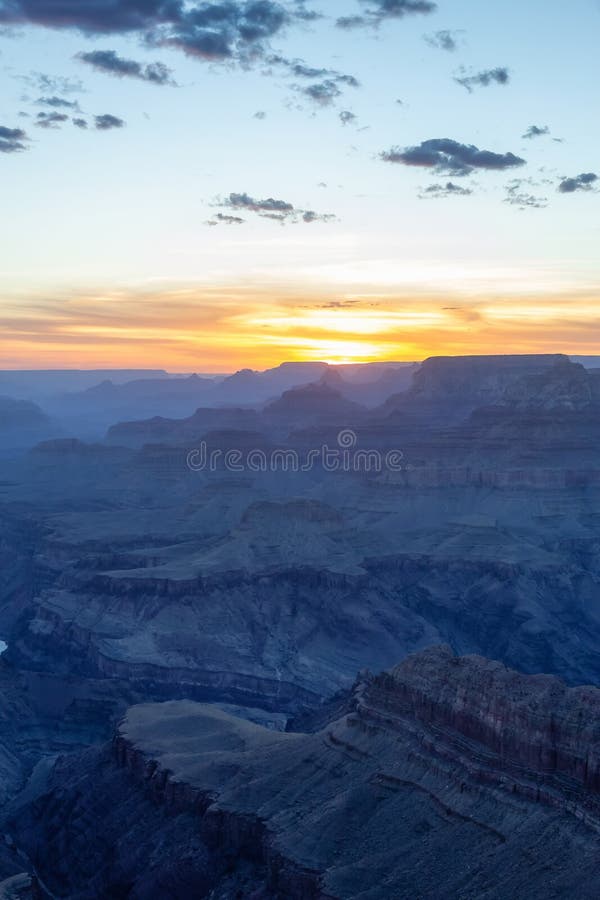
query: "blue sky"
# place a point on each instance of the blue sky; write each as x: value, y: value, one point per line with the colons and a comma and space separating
x: 108, y: 226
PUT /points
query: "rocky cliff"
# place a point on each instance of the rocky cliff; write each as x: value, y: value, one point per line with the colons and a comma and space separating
x: 449, y: 777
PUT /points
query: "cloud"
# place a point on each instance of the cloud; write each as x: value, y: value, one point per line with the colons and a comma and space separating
x: 304, y: 14
x: 443, y: 40
x: 207, y: 30
x: 449, y: 189
x: 536, y: 131
x: 260, y: 114
x: 97, y: 17
x: 279, y: 210
x: 328, y: 82
x: 11, y: 139
x: 51, y: 120
x: 309, y: 215
x: 226, y: 30
x: 379, y: 10
x: 341, y: 304
x: 301, y: 70
x: 349, y: 22
x: 107, y: 121
x: 517, y: 196
x: 323, y: 92
x: 222, y: 219
x: 583, y: 182
x: 57, y: 103
x: 346, y: 117
x: 80, y: 123
x: 446, y: 156
x: 487, y: 77
x: 109, y: 61
x: 53, y: 84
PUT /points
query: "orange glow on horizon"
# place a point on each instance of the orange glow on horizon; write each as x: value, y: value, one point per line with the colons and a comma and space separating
x: 223, y: 328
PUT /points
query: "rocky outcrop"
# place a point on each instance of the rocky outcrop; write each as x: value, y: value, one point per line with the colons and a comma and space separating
x: 282, y: 638
x: 529, y: 723
x: 159, y: 430
x: 20, y: 887
x: 312, y: 403
x: 445, y: 777
x: 448, y: 389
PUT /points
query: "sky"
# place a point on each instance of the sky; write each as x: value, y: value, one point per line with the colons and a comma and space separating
x: 203, y: 186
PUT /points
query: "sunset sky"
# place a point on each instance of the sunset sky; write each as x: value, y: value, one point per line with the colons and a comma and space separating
x: 205, y: 186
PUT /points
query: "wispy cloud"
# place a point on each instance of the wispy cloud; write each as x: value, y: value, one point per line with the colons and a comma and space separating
x: 379, y: 10
x: 517, y: 194
x: 535, y: 131
x: 278, y: 210
x: 51, y: 120
x: 110, y: 62
x: 449, y: 189
x: 443, y: 40
x: 485, y: 78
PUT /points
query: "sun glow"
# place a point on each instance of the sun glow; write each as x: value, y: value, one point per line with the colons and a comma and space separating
x: 225, y: 327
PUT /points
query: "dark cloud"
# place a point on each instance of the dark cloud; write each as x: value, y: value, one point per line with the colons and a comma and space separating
x: 95, y: 17
x: 487, y: 77
x: 446, y: 156
x: 518, y: 195
x: 397, y: 9
x: 270, y: 208
x: 208, y: 30
x: 11, y: 139
x: 92, y: 16
x: 347, y: 117
x: 443, y: 40
x: 341, y: 304
x: 226, y: 30
x: 107, y: 121
x: 309, y: 215
x: 260, y: 114
x: 583, y: 182
x: 80, y: 123
x: 222, y: 219
x: 304, y: 14
x: 300, y: 70
x: 51, y: 120
x: 379, y: 10
x: 57, y: 103
x: 449, y: 189
x: 349, y: 22
x: 536, y: 131
x: 323, y: 92
x: 109, y: 61
x: 328, y: 82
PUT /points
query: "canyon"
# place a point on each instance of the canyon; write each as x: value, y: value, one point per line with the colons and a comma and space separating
x: 446, y: 776
x: 241, y: 605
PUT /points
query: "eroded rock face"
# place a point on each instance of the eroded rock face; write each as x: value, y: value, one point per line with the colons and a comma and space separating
x: 126, y: 578
x: 20, y: 887
x: 448, y: 777
x: 447, y: 389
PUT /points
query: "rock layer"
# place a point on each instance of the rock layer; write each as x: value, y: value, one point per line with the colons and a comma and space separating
x: 448, y: 777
